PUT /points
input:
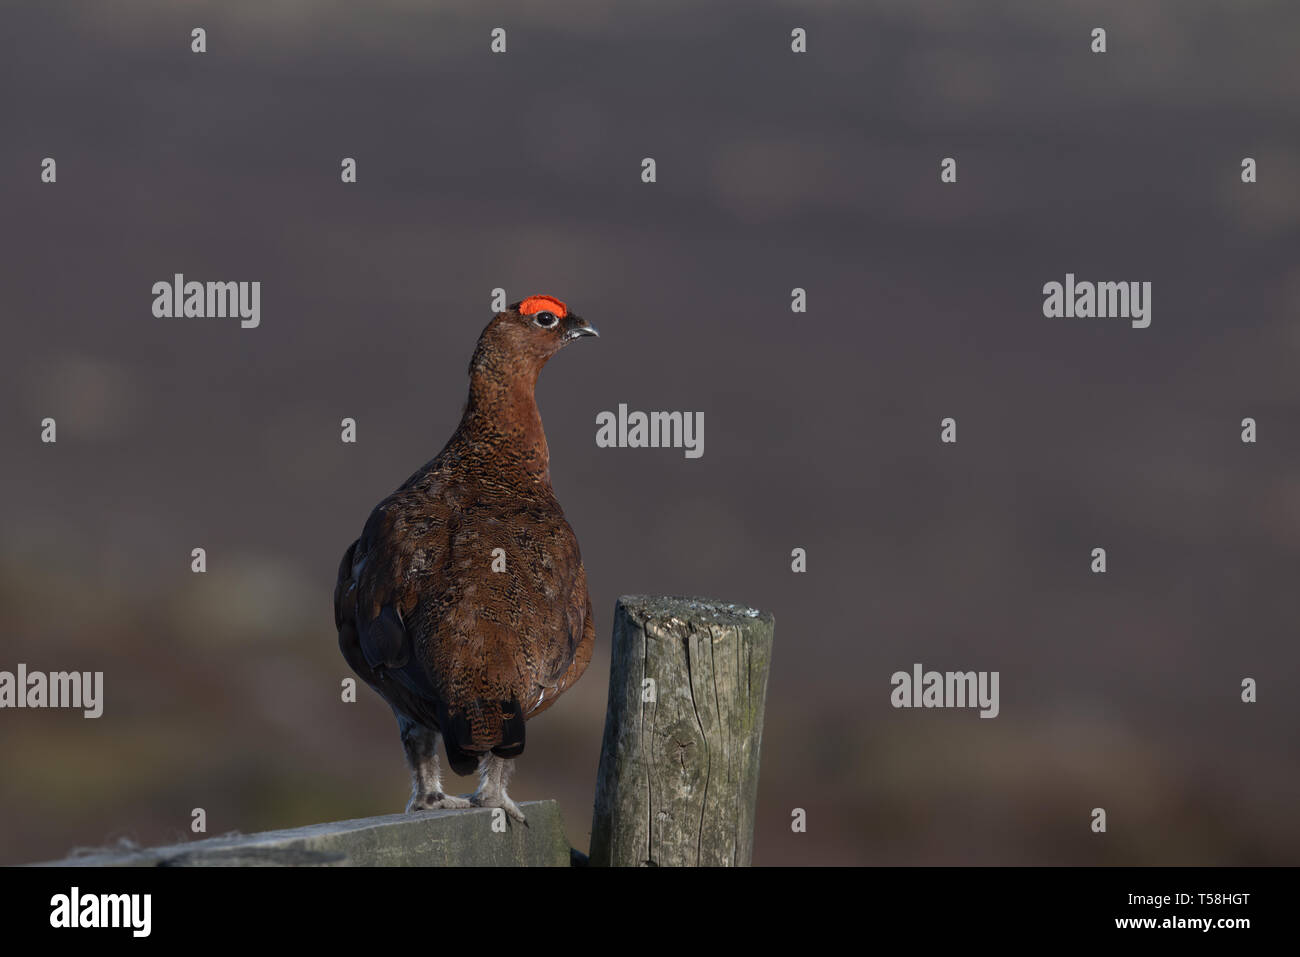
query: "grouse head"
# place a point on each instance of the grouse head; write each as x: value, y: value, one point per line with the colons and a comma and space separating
x: 526, y: 334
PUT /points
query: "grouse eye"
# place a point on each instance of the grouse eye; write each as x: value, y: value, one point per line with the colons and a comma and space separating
x: 546, y: 320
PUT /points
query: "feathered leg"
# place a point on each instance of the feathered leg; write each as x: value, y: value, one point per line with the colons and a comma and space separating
x: 421, y: 747
x: 493, y: 773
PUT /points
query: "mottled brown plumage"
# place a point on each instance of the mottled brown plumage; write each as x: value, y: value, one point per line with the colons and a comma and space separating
x: 457, y: 648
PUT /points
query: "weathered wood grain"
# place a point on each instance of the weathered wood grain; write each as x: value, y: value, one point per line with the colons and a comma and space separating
x: 678, y: 778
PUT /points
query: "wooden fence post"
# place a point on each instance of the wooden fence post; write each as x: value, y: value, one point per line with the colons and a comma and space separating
x: 678, y: 777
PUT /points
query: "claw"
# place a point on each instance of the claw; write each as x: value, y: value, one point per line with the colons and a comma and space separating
x: 436, y: 801
x: 502, y: 801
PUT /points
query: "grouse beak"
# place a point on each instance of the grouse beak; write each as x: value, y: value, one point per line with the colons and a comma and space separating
x: 579, y: 327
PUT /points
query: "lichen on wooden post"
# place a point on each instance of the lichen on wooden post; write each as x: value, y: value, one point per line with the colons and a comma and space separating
x: 678, y: 779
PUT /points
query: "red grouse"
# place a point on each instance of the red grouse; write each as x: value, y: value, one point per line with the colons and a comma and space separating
x: 464, y: 602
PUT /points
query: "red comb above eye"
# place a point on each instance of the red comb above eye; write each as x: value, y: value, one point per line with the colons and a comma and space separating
x: 543, y: 304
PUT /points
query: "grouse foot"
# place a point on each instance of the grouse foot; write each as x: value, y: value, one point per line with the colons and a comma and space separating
x: 493, y: 772
x: 501, y: 800
x: 435, y: 801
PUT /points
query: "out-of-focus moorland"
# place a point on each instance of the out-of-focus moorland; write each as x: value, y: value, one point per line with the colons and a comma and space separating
x: 775, y: 171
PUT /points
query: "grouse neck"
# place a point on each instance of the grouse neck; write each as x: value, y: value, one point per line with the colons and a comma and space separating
x: 502, y: 413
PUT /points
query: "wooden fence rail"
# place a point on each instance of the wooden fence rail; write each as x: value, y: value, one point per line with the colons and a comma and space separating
x: 421, y: 839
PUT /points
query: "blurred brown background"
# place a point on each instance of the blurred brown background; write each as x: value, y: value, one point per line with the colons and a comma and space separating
x: 821, y: 430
